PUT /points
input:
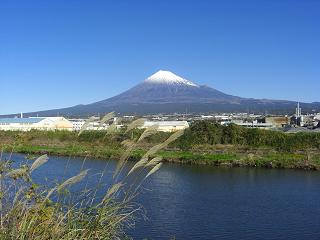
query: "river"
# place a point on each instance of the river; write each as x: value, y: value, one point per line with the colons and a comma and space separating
x: 203, y: 202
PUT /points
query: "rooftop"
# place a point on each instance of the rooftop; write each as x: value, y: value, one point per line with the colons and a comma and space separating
x: 20, y: 120
x: 165, y: 123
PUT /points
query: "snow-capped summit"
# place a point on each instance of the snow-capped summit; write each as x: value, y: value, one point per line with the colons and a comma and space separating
x: 167, y: 77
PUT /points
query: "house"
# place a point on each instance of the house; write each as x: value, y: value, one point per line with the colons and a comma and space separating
x: 37, y: 123
x: 167, y: 126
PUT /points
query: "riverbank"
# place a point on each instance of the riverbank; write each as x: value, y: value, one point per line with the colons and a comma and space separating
x: 102, y: 146
x: 224, y: 156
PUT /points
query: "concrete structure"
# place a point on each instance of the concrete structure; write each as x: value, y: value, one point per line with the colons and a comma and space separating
x: 254, y: 124
x: 37, y: 123
x: 298, y: 118
x: 77, y: 124
x: 298, y: 110
x: 207, y: 116
x: 91, y: 126
x: 167, y: 126
x: 94, y: 125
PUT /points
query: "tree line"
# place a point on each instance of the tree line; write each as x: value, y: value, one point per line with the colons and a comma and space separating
x: 210, y: 132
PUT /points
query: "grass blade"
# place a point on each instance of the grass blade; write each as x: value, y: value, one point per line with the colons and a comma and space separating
x: 38, y: 162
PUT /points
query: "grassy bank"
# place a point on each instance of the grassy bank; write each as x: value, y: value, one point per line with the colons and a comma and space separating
x: 228, y: 156
x: 204, y: 142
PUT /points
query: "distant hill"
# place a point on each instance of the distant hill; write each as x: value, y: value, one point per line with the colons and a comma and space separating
x: 165, y: 92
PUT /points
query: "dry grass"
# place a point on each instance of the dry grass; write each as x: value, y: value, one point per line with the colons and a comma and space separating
x: 29, y: 211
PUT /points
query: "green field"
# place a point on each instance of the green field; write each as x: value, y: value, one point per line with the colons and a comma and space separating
x: 204, y: 142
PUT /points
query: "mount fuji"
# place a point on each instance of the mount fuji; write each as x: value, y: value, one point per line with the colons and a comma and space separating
x: 165, y: 87
x: 166, y: 92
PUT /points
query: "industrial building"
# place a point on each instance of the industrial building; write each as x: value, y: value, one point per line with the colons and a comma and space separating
x: 254, y: 124
x: 77, y: 124
x: 35, y: 123
x: 167, y: 126
x: 94, y: 125
x: 278, y: 121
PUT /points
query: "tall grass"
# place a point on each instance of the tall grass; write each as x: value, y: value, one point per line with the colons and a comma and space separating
x: 30, y: 211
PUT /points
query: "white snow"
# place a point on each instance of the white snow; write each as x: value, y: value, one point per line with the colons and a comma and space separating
x: 167, y: 77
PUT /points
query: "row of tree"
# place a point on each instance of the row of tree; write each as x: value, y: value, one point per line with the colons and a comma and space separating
x: 209, y: 132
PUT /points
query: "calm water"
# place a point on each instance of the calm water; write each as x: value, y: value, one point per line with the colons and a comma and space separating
x: 195, y: 202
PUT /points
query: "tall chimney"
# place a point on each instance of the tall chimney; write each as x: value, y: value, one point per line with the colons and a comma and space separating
x: 298, y: 110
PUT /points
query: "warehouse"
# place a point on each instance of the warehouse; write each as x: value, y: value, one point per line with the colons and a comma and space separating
x: 37, y: 123
x: 167, y: 126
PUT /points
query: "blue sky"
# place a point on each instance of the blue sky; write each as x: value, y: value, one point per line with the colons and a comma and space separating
x: 61, y: 53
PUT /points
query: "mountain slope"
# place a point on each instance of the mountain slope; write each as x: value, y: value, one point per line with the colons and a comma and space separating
x: 165, y: 92
x: 165, y: 87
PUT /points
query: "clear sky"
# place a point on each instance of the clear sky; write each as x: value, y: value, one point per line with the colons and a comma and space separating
x: 61, y: 53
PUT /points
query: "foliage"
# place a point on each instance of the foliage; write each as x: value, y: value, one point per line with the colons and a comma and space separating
x: 209, y: 132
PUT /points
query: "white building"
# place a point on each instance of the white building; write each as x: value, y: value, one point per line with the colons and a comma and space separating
x: 207, y: 116
x: 37, y: 123
x: 77, y: 124
x: 253, y: 124
x: 95, y: 125
x: 167, y: 126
